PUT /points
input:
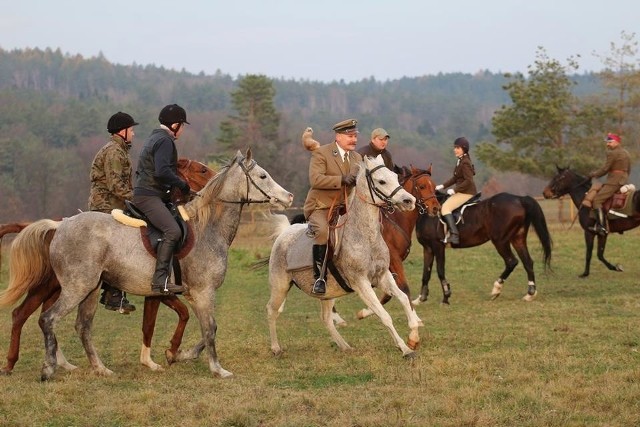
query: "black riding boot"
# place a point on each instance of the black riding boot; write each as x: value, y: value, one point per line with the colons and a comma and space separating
x: 600, y: 226
x: 160, y: 282
x: 116, y: 300
x: 320, y: 284
x: 454, y: 238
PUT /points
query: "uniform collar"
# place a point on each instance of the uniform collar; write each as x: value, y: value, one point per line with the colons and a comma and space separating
x: 121, y: 142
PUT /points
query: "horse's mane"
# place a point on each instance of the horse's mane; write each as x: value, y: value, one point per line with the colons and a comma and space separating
x: 200, y: 207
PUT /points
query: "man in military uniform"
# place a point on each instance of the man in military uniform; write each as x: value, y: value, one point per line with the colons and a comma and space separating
x: 111, y: 186
x: 378, y: 146
x: 617, y: 168
x: 333, y: 168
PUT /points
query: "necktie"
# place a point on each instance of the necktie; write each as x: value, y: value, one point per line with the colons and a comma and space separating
x: 346, y: 158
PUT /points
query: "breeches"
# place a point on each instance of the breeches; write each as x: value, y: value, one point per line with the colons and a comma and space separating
x: 604, y: 193
x: 154, y: 208
x: 454, y: 201
x: 319, y: 226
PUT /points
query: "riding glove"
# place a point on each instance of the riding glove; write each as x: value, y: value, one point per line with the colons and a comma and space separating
x: 439, y: 187
x: 451, y: 192
x: 349, y: 180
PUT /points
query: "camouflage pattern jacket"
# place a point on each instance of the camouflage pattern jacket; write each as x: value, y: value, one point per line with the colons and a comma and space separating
x: 111, y: 176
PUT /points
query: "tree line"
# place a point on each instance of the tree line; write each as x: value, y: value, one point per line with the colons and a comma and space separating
x: 54, y: 108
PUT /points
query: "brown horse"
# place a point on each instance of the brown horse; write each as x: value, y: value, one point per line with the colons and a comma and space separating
x: 48, y: 291
x: 568, y: 182
x: 503, y: 219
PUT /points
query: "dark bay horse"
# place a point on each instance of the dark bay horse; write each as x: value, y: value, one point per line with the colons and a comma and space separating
x: 568, y: 182
x: 503, y: 219
x: 47, y: 292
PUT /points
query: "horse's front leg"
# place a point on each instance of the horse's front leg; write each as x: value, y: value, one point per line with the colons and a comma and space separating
x: 427, y: 265
x: 365, y: 292
x: 149, y: 316
x: 203, y: 308
x: 588, y: 242
x: 602, y: 243
x: 84, y: 322
x: 439, y: 252
x: 182, y: 311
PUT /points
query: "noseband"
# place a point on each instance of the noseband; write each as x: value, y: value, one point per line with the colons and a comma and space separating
x: 375, y: 191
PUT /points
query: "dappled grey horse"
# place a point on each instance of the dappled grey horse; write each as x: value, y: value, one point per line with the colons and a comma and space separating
x: 92, y: 246
x: 363, y: 258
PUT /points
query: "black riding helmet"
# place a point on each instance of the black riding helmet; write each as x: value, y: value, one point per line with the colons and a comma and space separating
x: 120, y: 121
x: 462, y: 143
x: 171, y: 114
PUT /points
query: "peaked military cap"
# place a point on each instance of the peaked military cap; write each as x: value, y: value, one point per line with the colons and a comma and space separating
x: 346, y: 126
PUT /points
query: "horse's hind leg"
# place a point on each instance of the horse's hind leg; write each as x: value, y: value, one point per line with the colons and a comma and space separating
x: 182, y: 311
x: 84, y: 322
x: 46, y: 295
x: 326, y: 309
x: 279, y: 283
x: 149, y: 316
x: 527, y: 262
x: 510, y: 263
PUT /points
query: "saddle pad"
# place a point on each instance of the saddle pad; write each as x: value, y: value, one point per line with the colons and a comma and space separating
x: 627, y: 209
x: 300, y: 255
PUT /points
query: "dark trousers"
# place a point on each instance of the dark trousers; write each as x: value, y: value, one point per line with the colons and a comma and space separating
x: 154, y: 208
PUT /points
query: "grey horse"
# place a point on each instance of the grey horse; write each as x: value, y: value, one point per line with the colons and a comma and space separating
x: 91, y: 246
x: 363, y: 258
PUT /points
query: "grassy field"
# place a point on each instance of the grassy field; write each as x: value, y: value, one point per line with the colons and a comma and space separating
x: 570, y: 358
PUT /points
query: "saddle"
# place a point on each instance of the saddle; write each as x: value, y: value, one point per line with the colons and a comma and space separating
x: 459, y: 211
x: 151, y: 236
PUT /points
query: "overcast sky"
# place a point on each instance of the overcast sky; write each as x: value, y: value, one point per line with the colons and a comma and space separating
x: 323, y: 40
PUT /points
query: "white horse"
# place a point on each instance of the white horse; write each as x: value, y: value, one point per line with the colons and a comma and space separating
x: 92, y: 246
x: 363, y: 258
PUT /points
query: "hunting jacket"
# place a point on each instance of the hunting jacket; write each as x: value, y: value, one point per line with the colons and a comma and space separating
x: 617, y: 166
x: 463, y: 176
x: 371, y: 151
x: 326, y: 170
x: 111, y: 176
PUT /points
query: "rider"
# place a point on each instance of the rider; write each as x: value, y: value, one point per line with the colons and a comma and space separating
x: 332, y: 173
x: 464, y: 189
x: 155, y: 176
x: 378, y: 146
x: 617, y: 166
x: 110, y: 186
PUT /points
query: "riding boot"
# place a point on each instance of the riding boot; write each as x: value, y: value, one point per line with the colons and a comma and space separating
x: 160, y: 282
x: 115, y: 300
x: 454, y: 238
x: 320, y: 284
x: 600, y: 225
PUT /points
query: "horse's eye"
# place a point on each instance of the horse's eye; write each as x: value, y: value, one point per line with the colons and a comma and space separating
x: 263, y: 176
x: 383, y: 182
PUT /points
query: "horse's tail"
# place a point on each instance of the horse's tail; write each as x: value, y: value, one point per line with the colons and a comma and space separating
x: 29, y: 263
x: 14, y: 227
x: 278, y: 224
x: 535, y: 216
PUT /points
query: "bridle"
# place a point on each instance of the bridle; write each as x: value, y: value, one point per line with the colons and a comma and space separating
x: 374, y: 191
x: 250, y: 182
x: 420, y: 202
x: 562, y: 177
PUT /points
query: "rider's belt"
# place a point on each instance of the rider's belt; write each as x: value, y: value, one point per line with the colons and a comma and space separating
x: 618, y: 171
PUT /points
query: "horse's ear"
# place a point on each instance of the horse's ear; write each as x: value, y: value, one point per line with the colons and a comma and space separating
x: 249, y: 155
x: 429, y: 170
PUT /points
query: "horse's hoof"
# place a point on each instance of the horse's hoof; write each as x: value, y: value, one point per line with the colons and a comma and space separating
x: 170, y: 356
x: 6, y: 372
x: 276, y: 352
x: 413, y: 345
x: 494, y: 296
x: 409, y: 356
x: 619, y: 267
x: 583, y: 275
x: 223, y: 373
x: 529, y: 297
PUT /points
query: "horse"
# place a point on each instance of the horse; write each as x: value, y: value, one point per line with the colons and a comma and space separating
x: 92, y: 246
x: 362, y: 259
x: 566, y: 181
x: 46, y: 293
x: 504, y: 219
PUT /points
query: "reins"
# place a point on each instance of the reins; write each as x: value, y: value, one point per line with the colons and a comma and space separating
x: 420, y: 202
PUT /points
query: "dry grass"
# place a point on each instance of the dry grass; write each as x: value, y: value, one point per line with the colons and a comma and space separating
x: 570, y: 358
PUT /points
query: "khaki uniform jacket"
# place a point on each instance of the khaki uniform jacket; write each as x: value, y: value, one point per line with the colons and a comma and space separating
x: 111, y: 176
x: 463, y: 177
x: 326, y: 170
x: 617, y: 166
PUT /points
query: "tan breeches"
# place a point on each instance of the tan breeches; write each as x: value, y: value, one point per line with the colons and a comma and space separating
x: 454, y: 201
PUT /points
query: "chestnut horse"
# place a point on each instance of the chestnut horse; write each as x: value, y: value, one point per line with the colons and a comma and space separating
x: 48, y: 291
x: 568, y: 182
x: 503, y: 219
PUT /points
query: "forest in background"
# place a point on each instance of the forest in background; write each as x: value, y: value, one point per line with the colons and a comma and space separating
x: 54, y: 108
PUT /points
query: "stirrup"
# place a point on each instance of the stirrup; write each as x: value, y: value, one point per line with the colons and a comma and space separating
x: 319, y: 286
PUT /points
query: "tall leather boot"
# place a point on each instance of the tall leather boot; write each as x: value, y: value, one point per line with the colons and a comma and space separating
x: 115, y: 300
x: 320, y: 284
x: 600, y: 226
x: 454, y: 237
x: 160, y: 282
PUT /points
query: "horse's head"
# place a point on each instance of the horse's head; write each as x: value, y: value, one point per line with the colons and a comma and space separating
x: 422, y: 187
x: 562, y: 183
x: 195, y: 173
x: 260, y: 187
x: 382, y: 185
